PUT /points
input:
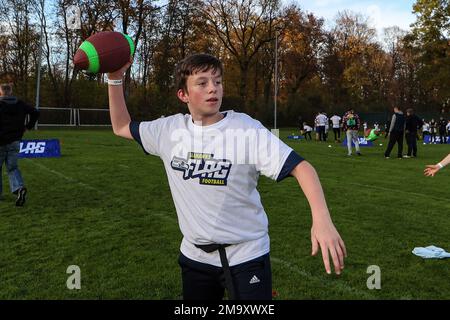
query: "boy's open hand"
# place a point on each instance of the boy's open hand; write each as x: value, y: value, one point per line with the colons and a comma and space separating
x: 118, y: 75
x: 431, y: 170
x: 326, y: 236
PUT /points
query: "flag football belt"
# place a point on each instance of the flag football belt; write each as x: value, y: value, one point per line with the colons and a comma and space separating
x: 226, y: 268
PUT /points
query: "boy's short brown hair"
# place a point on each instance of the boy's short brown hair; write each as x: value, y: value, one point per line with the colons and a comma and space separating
x: 199, y: 62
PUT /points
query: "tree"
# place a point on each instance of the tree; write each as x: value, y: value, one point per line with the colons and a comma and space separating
x: 302, y: 44
x: 431, y: 38
x: 243, y: 27
x: 346, y: 59
x: 19, y: 59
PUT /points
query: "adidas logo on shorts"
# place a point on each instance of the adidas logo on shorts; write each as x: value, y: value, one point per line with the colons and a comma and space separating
x: 254, y: 280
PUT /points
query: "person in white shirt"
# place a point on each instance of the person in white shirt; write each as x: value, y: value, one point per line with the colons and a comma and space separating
x: 213, y: 160
x: 425, y: 129
x: 321, y: 122
x: 316, y: 128
x: 307, y: 131
x: 336, y: 122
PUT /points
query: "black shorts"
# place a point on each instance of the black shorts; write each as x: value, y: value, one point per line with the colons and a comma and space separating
x: 252, y: 279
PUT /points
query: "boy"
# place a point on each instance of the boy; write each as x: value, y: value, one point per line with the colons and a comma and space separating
x: 307, y: 131
x: 372, y: 134
x: 13, y: 113
x: 224, y: 226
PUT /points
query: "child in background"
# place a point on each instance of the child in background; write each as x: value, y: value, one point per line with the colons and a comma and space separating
x: 307, y: 131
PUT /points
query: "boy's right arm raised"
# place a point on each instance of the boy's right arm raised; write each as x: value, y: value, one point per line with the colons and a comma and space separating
x: 120, y: 117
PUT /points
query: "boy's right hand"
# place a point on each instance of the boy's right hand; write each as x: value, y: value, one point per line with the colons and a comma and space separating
x: 118, y: 75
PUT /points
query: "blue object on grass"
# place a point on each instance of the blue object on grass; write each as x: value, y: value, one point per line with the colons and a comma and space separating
x: 294, y: 137
x: 431, y: 252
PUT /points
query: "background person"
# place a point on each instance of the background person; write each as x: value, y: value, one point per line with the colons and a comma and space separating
x: 336, y: 123
x: 433, y: 131
x: 442, y: 130
x: 13, y: 113
x: 425, y: 129
x: 412, y: 124
x: 307, y: 131
x: 351, y: 125
x: 321, y: 123
x: 447, y: 127
x: 396, y: 133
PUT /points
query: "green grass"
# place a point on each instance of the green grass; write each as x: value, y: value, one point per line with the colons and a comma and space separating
x: 107, y: 208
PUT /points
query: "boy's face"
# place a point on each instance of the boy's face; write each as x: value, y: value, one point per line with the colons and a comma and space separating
x: 204, y: 93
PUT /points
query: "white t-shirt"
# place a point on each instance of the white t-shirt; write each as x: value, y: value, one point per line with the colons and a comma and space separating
x: 321, y: 120
x: 336, y: 121
x: 426, y: 127
x: 213, y: 173
x: 307, y: 128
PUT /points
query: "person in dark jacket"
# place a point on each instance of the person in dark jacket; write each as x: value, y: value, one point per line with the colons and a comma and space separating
x: 13, y: 114
x: 413, y: 123
x: 442, y: 130
x: 433, y: 129
x: 396, y: 133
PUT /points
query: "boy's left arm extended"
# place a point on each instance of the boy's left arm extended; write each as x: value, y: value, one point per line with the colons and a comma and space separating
x: 323, y: 231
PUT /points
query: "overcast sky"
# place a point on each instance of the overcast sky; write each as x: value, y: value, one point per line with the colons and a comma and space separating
x: 382, y: 13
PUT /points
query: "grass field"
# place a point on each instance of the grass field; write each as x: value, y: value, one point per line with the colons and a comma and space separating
x: 107, y: 207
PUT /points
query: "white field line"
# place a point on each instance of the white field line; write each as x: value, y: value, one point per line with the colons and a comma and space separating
x: 65, y: 177
x: 339, y: 285
x: 87, y: 186
x: 389, y: 189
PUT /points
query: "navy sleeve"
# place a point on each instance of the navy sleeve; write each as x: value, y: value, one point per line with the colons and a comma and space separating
x: 134, y: 129
x: 291, y: 162
x: 34, y: 115
x: 33, y: 112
